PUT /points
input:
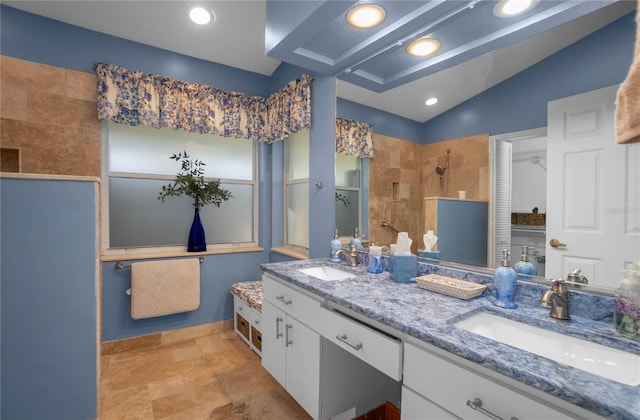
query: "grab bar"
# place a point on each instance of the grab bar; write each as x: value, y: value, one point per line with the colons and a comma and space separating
x: 121, y: 266
x: 387, y: 225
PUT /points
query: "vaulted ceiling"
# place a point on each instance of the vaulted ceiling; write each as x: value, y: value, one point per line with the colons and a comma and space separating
x: 478, y: 48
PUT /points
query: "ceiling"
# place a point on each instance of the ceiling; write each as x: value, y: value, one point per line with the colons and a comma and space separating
x: 479, y: 49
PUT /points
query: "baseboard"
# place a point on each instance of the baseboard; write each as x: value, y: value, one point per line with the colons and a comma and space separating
x: 164, y: 337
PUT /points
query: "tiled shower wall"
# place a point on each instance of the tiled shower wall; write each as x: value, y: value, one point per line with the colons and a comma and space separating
x: 48, y: 119
x: 402, y: 174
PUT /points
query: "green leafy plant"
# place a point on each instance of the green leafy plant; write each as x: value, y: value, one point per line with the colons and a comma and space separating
x: 343, y: 199
x: 190, y: 181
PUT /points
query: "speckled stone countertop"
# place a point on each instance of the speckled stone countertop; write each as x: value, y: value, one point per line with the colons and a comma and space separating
x: 430, y: 316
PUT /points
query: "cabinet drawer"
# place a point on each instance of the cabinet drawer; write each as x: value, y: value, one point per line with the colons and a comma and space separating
x: 293, y: 302
x: 375, y: 348
x: 247, y: 312
x: 450, y: 386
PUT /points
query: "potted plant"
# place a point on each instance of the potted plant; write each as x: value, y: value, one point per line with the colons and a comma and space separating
x: 190, y: 181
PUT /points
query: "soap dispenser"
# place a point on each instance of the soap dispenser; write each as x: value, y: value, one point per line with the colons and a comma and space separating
x: 356, y: 239
x: 336, y: 244
x: 505, y: 281
x: 626, y: 315
x: 524, y: 268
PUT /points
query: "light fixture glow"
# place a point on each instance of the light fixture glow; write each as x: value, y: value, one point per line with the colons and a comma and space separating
x: 199, y: 15
x: 507, y: 8
x: 423, y: 47
x: 431, y: 101
x: 366, y: 16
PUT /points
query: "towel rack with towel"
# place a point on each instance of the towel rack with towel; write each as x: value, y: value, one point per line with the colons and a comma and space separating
x: 164, y: 287
x: 121, y: 266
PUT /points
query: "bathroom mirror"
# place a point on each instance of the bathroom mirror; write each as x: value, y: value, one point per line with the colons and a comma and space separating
x: 430, y: 176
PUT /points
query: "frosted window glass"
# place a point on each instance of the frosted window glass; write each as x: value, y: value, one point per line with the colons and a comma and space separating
x: 297, y: 152
x: 347, y: 171
x: 138, y: 219
x: 347, y: 215
x: 298, y: 215
x: 142, y: 149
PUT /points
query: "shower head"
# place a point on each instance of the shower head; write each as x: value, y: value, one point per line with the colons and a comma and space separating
x: 440, y: 170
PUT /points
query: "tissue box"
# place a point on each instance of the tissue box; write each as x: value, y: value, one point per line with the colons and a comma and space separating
x: 405, y: 268
x: 432, y: 255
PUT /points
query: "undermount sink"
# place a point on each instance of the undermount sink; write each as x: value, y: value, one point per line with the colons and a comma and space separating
x: 607, y: 362
x: 327, y: 273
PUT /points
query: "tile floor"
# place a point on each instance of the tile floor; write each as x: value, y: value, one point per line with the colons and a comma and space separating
x: 213, y: 377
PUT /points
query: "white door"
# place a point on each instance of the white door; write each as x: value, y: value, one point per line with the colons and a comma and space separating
x: 593, y: 190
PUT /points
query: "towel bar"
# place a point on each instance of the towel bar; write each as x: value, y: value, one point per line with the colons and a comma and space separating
x: 121, y: 266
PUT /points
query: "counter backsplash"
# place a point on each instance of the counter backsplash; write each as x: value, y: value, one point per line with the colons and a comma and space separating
x: 583, y: 304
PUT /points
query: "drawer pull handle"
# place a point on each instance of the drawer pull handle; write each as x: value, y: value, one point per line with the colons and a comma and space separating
x: 278, y: 333
x: 286, y: 338
x: 344, y: 339
x: 476, y: 404
x: 284, y: 300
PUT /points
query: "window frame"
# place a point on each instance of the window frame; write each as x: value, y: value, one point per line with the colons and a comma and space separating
x: 285, y: 184
x: 170, y: 249
x: 359, y: 168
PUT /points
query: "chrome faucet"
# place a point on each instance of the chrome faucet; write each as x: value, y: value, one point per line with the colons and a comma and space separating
x: 352, y: 255
x: 557, y: 299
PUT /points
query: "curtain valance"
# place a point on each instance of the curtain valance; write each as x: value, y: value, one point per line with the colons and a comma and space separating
x: 137, y: 98
x: 354, y: 138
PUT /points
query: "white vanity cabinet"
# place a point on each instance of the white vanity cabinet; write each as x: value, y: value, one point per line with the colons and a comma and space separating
x: 290, y: 344
x: 440, y: 386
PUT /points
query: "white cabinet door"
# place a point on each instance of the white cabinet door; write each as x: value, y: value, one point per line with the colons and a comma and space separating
x: 303, y: 365
x: 415, y: 407
x: 273, y: 347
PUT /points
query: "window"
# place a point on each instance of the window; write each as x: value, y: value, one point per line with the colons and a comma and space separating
x: 138, y: 165
x: 348, y: 202
x: 296, y: 190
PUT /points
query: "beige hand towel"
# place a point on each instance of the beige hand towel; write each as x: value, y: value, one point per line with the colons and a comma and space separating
x: 164, y: 287
x: 628, y: 103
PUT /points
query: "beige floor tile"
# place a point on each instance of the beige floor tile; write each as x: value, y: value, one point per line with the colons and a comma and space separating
x: 212, y: 377
x: 166, y: 387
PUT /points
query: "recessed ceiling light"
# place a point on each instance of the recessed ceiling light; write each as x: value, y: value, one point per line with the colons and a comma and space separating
x: 366, y: 16
x: 200, y: 15
x: 431, y: 101
x: 423, y: 47
x: 507, y: 8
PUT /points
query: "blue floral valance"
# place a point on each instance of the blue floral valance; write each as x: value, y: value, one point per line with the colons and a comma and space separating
x: 354, y: 138
x: 137, y: 98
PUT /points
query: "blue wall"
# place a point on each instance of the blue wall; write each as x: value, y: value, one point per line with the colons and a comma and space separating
x: 49, y: 310
x: 383, y: 122
x: 520, y: 103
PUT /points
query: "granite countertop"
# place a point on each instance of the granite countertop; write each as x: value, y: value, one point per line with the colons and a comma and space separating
x: 430, y: 316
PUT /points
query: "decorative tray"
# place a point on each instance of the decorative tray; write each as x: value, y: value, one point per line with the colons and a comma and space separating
x: 449, y: 286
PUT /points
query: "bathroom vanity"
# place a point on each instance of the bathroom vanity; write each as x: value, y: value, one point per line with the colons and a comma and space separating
x: 342, y: 347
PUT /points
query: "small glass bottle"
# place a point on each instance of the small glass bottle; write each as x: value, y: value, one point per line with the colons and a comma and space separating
x: 524, y: 268
x: 356, y: 239
x: 335, y: 245
x: 626, y: 315
x: 505, y: 281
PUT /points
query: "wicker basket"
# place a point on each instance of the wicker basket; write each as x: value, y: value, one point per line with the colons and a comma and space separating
x: 449, y: 286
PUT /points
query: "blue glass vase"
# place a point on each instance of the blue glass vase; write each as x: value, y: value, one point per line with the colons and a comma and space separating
x: 196, y: 243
